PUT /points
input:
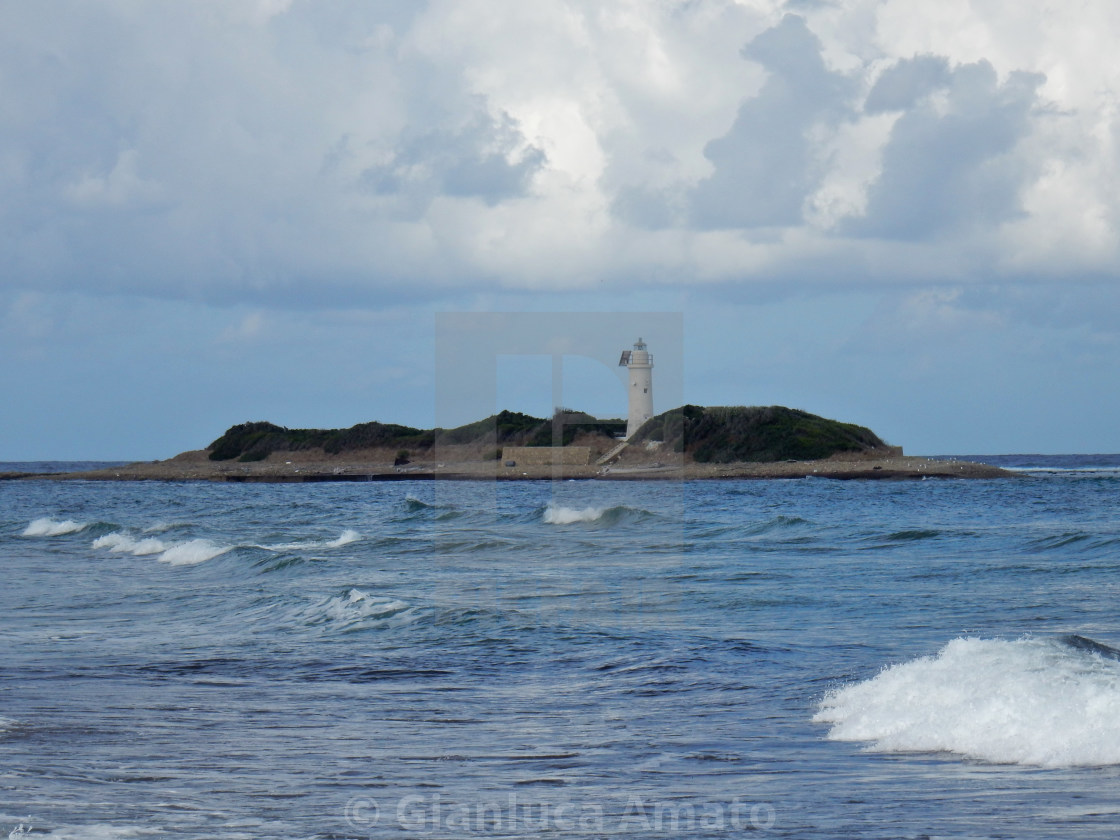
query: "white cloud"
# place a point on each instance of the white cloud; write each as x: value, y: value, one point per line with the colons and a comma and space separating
x: 951, y: 162
x: 260, y: 149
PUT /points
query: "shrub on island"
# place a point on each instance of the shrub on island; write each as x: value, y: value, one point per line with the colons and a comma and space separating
x: 715, y: 435
x: 773, y: 433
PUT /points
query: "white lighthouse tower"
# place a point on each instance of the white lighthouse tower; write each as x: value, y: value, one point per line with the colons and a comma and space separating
x: 639, y: 362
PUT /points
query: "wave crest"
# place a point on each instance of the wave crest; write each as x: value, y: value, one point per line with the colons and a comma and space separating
x: 1028, y: 701
x: 560, y: 515
x: 357, y: 610
x: 192, y: 552
x: 47, y: 527
x: 348, y: 536
x: 187, y: 553
x: 120, y: 543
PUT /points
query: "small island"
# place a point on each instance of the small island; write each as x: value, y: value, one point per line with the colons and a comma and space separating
x: 687, y: 443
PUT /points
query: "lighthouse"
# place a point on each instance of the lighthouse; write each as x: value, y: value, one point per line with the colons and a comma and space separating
x: 639, y: 362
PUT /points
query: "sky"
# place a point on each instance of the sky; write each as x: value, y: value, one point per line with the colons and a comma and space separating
x: 898, y: 213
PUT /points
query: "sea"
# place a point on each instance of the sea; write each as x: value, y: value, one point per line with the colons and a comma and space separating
x: 572, y: 659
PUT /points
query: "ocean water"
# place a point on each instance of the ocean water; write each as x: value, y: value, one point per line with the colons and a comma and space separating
x: 39, y: 467
x: 795, y: 659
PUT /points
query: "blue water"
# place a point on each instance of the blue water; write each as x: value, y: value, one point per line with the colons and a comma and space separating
x: 806, y: 658
x: 1047, y: 463
x: 39, y: 467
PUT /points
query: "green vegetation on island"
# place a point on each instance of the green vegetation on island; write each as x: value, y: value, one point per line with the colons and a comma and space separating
x: 256, y: 441
x: 707, y: 435
x: 727, y: 434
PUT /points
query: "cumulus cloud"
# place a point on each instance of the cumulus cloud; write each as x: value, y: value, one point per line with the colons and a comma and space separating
x: 765, y: 166
x: 487, y: 159
x: 323, y: 153
x: 906, y: 82
x: 949, y: 161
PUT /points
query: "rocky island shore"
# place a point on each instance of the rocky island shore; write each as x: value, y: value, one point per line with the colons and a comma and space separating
x: 686, y: 444
x: 195, y: 466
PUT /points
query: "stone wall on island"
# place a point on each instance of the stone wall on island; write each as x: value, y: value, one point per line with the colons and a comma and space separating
x: 548, y: 456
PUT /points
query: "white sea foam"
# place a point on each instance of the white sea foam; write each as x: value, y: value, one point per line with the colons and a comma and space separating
x: 97, y: 831
x: 560, y: 515
x: 177, y: 554
x: 47, y: 527
x: 1029, y: 701
x: 192, y: 552
x: 124, y: 544
x: 348, y: 536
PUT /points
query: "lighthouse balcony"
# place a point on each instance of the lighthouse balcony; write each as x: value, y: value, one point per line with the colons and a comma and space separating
x: 635, y: 357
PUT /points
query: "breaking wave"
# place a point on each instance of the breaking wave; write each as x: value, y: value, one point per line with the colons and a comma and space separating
x: 348, y: 536
x: 560, y: 515
x: 47, y: 527
x: 187, y: 553
x: 192, y: 552
x: 120, y: 543
x: 1039, y: 702
x: 82, y: 832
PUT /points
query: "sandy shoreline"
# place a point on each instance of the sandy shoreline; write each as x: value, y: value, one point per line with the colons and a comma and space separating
x: 314, y: 467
